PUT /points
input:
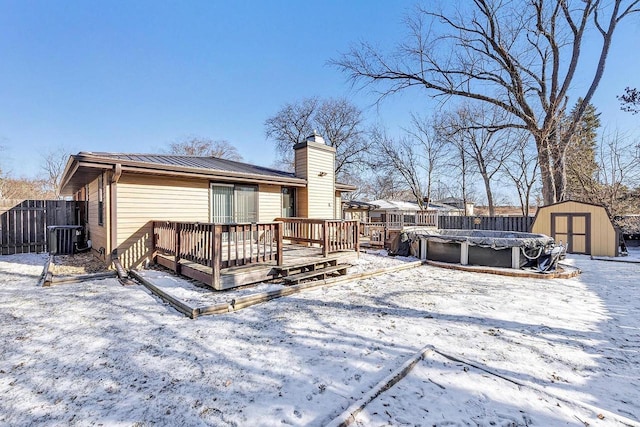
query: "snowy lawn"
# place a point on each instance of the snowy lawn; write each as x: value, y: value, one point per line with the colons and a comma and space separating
x: 99, y: 353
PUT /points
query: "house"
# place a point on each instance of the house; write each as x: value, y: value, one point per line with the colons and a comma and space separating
x: 584, y: 228
x: 463, y: 208
x: 354, y: 209
x: 126, y: 193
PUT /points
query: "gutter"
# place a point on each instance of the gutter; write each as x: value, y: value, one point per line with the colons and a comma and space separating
x: 113, y: 209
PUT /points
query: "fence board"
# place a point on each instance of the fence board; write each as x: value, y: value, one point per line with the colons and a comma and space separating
x: 23, y: 223
x: 497, y: 223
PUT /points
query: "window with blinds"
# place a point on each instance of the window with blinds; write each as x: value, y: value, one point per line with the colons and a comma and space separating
x: 234, y: 203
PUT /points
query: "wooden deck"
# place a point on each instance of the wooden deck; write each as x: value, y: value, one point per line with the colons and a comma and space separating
x: 293, y: 255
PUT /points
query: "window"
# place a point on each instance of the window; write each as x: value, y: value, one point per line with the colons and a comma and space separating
x: 101, y: 199
x: 288, y: 202
x: 234, y: 203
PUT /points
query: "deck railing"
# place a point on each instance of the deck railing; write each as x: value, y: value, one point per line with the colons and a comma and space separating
x: 376, y: 232
x: 331, y: 235
x: 396, y: 220
x: 217, y: 245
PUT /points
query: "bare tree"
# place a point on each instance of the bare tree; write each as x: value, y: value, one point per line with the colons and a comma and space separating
x: 53, y: 166
x: 1, y: 150
x: 474, y: 129
x: 617, y: 175
x: 431, y: 144
x: 522, y: 169
x: 380, y: 183
x: 630, y: 100
x: 25, y: 188
x: 399, y: 156
x: 2, y: 177
x: 521, y: 57
x: 337, y: 120
x: 459, y: 164
x: 196, y: 146
x: 291, y: 125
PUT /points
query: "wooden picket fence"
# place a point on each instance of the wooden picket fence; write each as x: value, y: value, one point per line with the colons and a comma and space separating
x: 23, y: 223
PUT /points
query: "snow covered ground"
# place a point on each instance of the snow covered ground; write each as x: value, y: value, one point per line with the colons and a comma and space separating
x: 98, y: 353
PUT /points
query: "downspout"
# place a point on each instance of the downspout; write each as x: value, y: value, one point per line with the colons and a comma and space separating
x: 113, y: 207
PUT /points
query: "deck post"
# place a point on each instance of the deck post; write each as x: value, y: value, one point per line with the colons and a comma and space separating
x: 176, y: 266
x: 279, y: 238
x: 325, y: 239
x: 216, y: 255
x: 154, y: 251
x: 357, y: 237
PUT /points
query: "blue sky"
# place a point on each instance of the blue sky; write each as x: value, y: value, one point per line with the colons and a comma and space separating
x: 134, y: 76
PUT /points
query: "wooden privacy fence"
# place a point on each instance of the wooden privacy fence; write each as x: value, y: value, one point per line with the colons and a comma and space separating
x: 216, y: 246
x: 332, y: 235
x: 23, y: 223
x: 497, y: 223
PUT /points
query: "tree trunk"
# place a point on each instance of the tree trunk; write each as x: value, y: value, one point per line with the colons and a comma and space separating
x: 546, y: 174
x: 560, y: 176
x: 487, y: 187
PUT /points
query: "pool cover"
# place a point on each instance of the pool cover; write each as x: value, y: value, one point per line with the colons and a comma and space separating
x: 483, y: 238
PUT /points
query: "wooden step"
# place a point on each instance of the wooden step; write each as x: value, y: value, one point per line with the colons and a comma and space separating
x: 318, y: 273
x: 302, y: 267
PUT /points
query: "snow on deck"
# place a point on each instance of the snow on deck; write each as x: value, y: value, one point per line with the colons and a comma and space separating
x: 100, y: 353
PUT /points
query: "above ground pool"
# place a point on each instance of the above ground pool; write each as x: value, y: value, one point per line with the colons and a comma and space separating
x: 507, y: 249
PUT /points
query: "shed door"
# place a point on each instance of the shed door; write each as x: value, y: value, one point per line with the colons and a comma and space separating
x: 573, y: 229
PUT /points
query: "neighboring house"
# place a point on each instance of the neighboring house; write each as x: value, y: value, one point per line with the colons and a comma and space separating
x: 464, y: 209
x: 387, y: 208
x: 353, y: 209
x: 127, y: 192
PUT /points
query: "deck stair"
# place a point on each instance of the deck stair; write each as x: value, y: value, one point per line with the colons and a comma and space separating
x: 315, y: 269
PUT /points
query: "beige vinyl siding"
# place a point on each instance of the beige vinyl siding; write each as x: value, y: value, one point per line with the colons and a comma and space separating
x: 300, y: 165
x: 302, y: 208
x: 143, y: 199
x: 98, y: 233
x: 318, y: 199
x: 269, y: 202
x: 603, y: 234
x: 338, y: 206
x: 320, y: 189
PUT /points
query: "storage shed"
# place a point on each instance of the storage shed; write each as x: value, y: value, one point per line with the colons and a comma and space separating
x: 584, y: 228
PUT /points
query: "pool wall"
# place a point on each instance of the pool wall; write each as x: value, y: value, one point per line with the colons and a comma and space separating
x: 490, y: 248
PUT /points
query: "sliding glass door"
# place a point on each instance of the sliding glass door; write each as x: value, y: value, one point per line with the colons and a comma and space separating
x: 221, y: 203
x: 246, y: 203
x: 234, y: 203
